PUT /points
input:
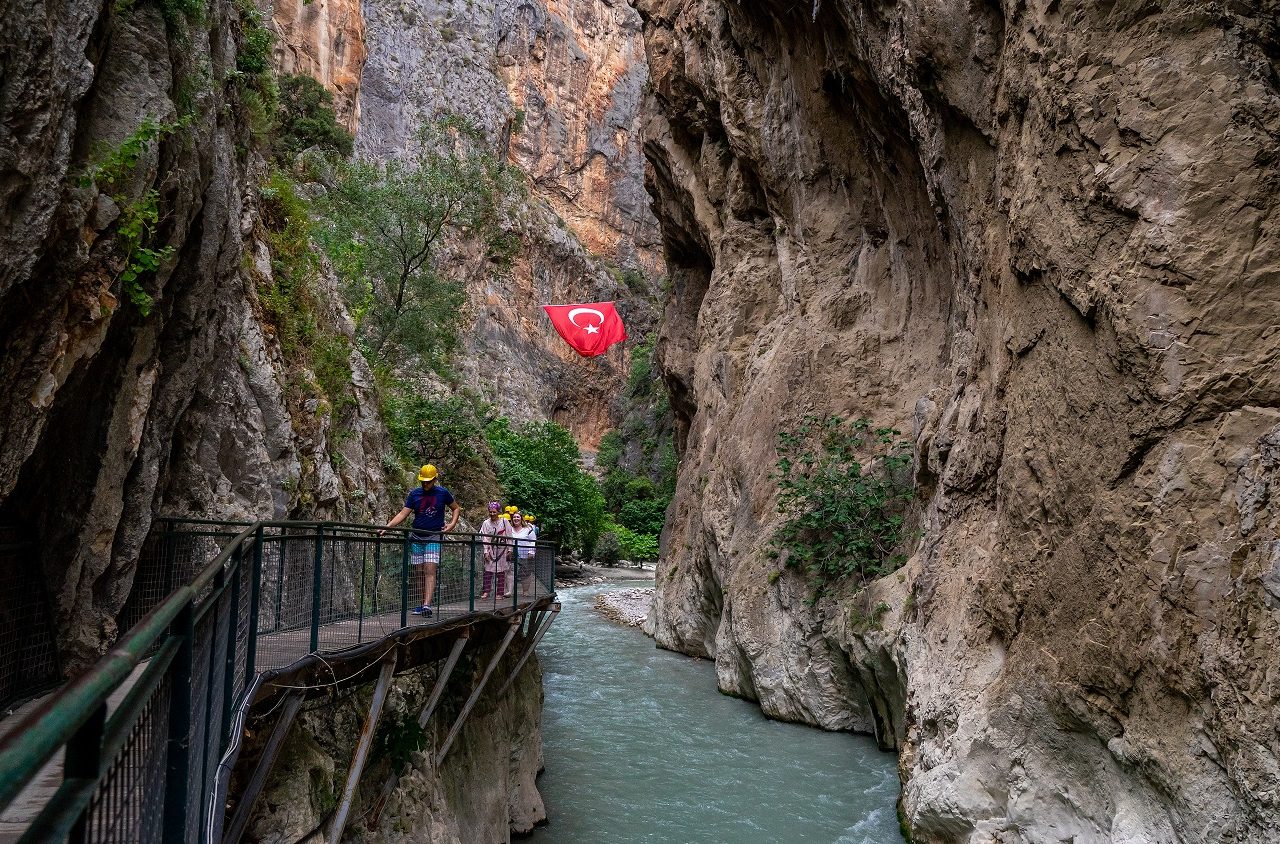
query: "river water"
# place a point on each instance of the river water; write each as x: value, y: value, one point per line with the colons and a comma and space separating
x: 640, y: 747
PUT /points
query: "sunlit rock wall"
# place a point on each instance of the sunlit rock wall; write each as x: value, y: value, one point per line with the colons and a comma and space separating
x: 323, y: 39
x: 430, y: 58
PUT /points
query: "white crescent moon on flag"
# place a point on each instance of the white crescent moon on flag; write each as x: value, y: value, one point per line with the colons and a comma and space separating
x: 574, y: 313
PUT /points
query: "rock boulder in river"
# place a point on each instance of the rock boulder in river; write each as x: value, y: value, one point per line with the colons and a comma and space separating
x: 1043, y: 240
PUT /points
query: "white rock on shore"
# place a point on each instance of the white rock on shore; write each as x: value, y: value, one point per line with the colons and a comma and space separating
x: 628, y: 606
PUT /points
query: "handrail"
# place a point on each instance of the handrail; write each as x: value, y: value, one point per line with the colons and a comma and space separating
x: 26, y: 748
x: 73, y: 717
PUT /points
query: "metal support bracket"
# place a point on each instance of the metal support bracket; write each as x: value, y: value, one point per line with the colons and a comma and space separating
x: 533, y: 643
x: 393, y: 779
x: 363, y: 746
x: 514, y: 626
x: 270, y: 751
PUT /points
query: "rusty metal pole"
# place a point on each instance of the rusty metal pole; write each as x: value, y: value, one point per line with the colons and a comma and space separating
x: 393, y: 779
x: 362, y: 750
x: 259, y: 778
x: 513, y: 626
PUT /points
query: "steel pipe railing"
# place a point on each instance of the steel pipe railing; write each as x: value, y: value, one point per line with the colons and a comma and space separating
x: 272, y: 593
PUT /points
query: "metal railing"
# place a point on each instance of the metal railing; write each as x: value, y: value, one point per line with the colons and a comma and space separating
x: 140, y: 734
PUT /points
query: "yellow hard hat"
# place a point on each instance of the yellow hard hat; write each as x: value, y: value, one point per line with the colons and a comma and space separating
x: 427, y: 473
x: 529, y: 518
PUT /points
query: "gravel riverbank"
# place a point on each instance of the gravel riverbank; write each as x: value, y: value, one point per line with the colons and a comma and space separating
x: 626, y: 606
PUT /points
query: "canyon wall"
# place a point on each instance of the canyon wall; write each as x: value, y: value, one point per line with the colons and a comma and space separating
x: 1042, y: 240
x: 557, y: 87
x: 483, y: 791
x: 124, y: 400
x: 323, y: 39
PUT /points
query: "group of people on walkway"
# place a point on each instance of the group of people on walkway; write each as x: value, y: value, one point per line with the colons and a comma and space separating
x: 508, y: 536
x: 509, y: 539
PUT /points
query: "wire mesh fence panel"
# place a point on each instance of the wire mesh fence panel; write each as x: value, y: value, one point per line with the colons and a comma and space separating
x: 243, y: 622
x: 28, y: 657
x: 216, y: 707
x: 197, y: 731
x: 173, y: 553
x: 127, y: 806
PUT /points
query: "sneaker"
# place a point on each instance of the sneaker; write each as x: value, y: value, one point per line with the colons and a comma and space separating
x: 423, y: 610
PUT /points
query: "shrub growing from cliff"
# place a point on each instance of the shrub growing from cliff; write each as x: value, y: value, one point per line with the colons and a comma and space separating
x: 139, y: 219
x: 843, y: 490
x: 306, y: 119
x: 448, y: 432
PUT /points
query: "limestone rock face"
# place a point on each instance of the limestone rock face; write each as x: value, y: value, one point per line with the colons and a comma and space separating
x: 1042, y: 240
x: 483, y: 791
x: 323, y: 39
x: 111, y: 416
x: 585, y: 218
x: 576, y: 71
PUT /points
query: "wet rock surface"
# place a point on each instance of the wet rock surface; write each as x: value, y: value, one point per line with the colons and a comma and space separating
x: 1038, y: 239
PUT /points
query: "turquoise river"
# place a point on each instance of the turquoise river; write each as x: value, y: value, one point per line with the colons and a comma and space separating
x: 640, y: 747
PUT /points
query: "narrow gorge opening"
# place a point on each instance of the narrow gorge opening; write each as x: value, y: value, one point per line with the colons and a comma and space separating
x: 946, y: 414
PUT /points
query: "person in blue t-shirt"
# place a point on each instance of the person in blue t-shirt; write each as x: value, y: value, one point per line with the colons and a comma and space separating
x: 427, y: 504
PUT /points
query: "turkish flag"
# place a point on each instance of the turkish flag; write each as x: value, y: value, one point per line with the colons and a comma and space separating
x: 591, y: 329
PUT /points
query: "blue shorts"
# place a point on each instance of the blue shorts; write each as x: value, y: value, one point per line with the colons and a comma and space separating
x: 425, y: 551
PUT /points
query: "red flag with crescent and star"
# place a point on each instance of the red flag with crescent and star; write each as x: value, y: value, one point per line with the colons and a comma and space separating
x: 591, y: 328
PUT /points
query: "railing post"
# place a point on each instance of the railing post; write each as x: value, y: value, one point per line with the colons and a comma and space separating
x: 317, y: 571
x: 284, y: 536
x: 404, y: 582
x: 364, y: 564
x: 471, y: 589
x: 178, y: 754
x: 515, y: 573
x: 84, y: 762
x: 255, y: 594
x: 233, y: 627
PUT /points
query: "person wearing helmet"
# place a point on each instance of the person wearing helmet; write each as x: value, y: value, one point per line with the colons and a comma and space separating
x: 427, y: 504
x: 525, y: 538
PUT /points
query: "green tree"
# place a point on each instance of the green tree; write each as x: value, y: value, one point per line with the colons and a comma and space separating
x: 538, y: 468
x: 448, y: 432
x: 306, y: 118
x: 384, y: 224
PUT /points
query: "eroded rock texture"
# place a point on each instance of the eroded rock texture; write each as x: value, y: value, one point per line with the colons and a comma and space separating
x: 556, y: 86
x: 483, y: 791
x: 576, y: 71
x: 111, y: 416
x: 1043, y: 239
x: 323, y: 39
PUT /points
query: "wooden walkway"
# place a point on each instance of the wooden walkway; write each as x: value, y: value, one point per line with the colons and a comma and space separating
x: 275, y: 650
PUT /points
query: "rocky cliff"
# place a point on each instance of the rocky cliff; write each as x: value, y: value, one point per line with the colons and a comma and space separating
x: 323, y: 39
x: 1042, y: 239
x: 557, y: 85
x: 483, y: 791
x: 140, y: 376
